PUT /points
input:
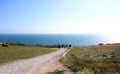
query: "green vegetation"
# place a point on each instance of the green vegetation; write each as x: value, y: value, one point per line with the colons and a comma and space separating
x: 57, y: 72
x: 17, y: 44
x: 101, y: 59
x: 11, y: 53
x: 85, y: 71
x: 38, y: 45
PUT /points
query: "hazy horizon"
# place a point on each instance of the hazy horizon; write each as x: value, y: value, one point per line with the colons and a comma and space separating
x: 61, y: 17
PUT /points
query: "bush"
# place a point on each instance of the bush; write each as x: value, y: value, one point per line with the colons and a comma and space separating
x: 100, y: 44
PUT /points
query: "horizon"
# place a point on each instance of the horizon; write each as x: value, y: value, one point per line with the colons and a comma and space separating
x: 61, y: 17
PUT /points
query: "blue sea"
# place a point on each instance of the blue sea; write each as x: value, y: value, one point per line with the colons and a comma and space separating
x: 52, y: 39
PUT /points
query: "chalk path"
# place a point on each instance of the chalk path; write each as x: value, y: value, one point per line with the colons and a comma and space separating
x: 38, y: 65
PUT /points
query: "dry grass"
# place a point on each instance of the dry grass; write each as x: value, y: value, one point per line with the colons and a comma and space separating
x: 100, y: 59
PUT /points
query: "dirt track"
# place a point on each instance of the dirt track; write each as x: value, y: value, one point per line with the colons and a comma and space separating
x: 38, y: 65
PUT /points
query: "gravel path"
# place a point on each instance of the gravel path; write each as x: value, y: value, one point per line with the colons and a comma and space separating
x: 37, y: 65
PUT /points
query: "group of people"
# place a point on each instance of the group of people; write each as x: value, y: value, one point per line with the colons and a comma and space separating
x: 64, y: 45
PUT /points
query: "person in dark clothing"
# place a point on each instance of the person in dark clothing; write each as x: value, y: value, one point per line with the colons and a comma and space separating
x: 70, y: 45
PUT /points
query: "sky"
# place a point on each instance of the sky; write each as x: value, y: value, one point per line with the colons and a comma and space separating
x: 60, y: 17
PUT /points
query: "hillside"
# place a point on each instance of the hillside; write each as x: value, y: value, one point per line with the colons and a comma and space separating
x: 98, y: 59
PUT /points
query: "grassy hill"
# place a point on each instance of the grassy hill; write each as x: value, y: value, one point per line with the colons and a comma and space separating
x: 99, y: 59
x: 11, y: 53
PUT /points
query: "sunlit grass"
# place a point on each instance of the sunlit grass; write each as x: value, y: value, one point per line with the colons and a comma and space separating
x: 100, y: 59
x: 12, y: 53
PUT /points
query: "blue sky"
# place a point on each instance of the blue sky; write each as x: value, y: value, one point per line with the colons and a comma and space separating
x: 60, y: 16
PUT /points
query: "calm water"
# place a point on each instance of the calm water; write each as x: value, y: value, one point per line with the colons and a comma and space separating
x: 50, y: 39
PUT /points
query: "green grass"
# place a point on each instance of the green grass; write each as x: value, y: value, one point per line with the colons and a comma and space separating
x: 8, y: 54
x: 99, y: 59
x: 57, y: 72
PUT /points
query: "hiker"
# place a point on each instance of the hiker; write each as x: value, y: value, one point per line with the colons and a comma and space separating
x: 70, y: 45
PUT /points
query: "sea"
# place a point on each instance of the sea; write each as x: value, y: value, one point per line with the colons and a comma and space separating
x: 53, y: 39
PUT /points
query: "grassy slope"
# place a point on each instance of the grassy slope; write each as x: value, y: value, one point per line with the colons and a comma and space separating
x: 96, y: 59
x: 12, y: 53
